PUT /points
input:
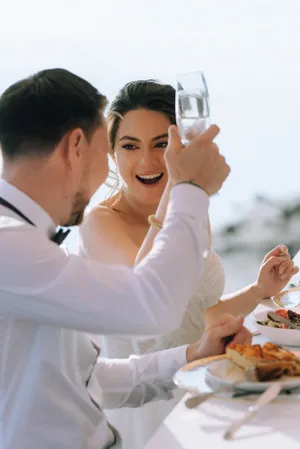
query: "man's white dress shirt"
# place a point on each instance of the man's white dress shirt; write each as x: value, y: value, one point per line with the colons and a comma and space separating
x: 52, y: 384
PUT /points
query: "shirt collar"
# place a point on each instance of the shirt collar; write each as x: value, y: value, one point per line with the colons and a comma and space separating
x: 27, y: 206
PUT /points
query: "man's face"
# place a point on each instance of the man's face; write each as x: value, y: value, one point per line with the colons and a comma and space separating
x: 92, y: 173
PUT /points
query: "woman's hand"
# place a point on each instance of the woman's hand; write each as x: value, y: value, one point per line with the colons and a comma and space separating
x: 275, y: 272
x: 215, y: 337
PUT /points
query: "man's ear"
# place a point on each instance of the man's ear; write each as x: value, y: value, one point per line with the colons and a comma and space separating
x: 72, y: 146
x: 76, y: 143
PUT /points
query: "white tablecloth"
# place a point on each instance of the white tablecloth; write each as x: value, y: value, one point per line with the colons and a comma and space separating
x: 276, y: 425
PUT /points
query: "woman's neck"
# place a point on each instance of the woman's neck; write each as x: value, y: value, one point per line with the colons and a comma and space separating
x: 133, y: 208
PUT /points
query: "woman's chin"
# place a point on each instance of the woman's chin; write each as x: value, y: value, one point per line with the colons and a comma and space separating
x: 150, y: 195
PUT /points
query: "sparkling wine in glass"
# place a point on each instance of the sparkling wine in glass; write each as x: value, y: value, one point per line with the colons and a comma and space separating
x: 192, y: 104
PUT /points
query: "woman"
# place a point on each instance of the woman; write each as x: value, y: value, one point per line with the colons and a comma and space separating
x: 118, y: 232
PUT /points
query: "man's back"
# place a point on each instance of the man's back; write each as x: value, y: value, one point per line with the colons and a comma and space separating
x: 45, y: 369
x: 51, y: 384
x: 44, y: 394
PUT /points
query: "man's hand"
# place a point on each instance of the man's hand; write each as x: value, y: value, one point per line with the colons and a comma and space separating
x: 214, y: 339
x: 199, y: 161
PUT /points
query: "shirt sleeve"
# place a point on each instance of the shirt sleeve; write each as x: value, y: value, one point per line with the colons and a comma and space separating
x: 140, y: 379
x: 39, y: 282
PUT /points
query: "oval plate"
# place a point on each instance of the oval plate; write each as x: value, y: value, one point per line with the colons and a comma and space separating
x: 225, y: 373
x: 204, y: 376
x: 288, y: 298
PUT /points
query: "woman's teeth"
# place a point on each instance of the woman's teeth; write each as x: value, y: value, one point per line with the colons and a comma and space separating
x: 150, y: 179
x: 149, y: 176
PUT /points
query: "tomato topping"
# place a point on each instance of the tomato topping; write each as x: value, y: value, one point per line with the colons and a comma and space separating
x: 283, y: 313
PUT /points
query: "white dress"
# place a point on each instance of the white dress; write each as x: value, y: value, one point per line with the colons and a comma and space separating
x: 137, y: 425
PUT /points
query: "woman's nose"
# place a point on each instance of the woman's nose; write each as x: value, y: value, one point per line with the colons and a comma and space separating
x: 148, y: 159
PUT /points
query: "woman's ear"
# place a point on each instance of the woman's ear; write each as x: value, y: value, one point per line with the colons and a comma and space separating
x: 112, y: 154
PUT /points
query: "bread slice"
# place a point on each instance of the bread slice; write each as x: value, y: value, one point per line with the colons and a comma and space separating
x: 245, y: 356
x: 276, y: 352
x: 269, y: 362
x: 266, y: 371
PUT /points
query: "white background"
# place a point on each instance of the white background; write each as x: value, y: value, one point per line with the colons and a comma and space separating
x: 249, y: 50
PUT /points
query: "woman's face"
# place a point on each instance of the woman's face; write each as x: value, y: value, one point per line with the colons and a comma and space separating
x: 139, y: 154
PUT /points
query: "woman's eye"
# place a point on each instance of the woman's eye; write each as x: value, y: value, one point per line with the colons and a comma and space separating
x: 162, y: 144
x: 129, y: 146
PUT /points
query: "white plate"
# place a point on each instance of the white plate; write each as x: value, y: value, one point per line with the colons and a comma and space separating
x: 205, y: 378
x: 288, y: 298
x: 285, y: 337
x: 226, y: 373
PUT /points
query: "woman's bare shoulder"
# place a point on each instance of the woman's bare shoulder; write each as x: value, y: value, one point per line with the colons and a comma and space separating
x: 104, y: 236
x: 101, y: 214
x: 101, y: 209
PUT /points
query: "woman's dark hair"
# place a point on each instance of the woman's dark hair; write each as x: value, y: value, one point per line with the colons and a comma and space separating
x: 141, y: 94
x: 148, y: 94
x: 36, y: 112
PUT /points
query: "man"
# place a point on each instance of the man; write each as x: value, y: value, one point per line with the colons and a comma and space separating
x: 54, y: 147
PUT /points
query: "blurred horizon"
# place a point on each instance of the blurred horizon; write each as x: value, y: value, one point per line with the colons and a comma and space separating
x: 248, y: 50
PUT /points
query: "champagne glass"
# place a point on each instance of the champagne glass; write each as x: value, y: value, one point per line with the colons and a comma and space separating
x: 192, y: 104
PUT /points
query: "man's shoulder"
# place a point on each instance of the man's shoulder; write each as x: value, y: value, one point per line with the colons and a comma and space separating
x: 14, y: 231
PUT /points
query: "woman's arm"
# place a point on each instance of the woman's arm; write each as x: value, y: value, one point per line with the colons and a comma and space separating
x: 153, y: 231
x: 241, y: 303
x: 276, y: 270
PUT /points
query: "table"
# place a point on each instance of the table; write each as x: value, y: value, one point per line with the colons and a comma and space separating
x: 276, y: 425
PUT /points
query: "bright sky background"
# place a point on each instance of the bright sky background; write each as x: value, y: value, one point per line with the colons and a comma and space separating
x: 249, y: 50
